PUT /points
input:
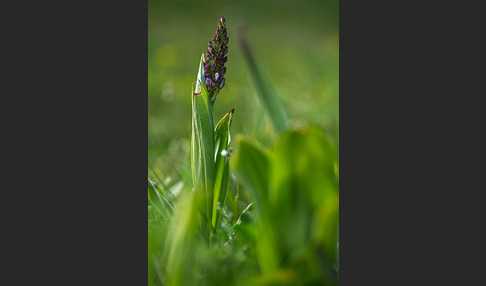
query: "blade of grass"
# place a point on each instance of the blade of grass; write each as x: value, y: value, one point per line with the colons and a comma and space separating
x: 158, y: 201
x: 269, y: 97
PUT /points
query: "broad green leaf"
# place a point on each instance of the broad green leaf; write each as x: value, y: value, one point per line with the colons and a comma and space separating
x: 222, y: 139
x: 304, y: 164
x: 252, y: 168
x: 252, y: 165
x: 303, y: 188
x: 202, y: 143
x: 158, y: 201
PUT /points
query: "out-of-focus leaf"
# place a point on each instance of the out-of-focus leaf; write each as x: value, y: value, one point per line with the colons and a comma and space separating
x: 230, y: 197
x: 202, y: 143
x: 269, y: 97
x: 326, y: 227
x: 303, y: 188
x: 252, y: 165
x: 158, y: 201
x: 177, y: 188
x: 152, y: 214
x: 303, y: 166
x: 182, y: 243
x: 252, y: 168
x: 278, y: 277
x: 157, y: 231
x: 222, y: 139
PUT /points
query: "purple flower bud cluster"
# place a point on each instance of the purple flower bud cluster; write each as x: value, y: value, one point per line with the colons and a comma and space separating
x: 215, y: 58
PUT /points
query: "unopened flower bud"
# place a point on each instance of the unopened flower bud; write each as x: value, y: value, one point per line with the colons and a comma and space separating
x: 224, y: 51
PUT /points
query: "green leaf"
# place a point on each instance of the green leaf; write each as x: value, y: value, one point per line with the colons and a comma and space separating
x: 304, y: 190
x: 326, y: 229
x: 252, y: 168
x: 252, y: 165
x: 202, y: 143
x: 269, y: 97
x: 304, y: 164
x: 222, y: 139
x: 158, y: 201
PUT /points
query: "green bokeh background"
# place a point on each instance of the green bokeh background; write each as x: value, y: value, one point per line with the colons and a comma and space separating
x: 296, y: 41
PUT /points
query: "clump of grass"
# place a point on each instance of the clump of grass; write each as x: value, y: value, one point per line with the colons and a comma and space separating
x: 261, y: 216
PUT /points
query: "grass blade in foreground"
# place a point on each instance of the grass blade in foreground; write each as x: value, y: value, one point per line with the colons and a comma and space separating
x: 179, y: 260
